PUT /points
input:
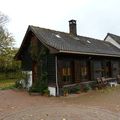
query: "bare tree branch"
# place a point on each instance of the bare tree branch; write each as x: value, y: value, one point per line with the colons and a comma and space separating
x: 3, y: 19
x: 6, y: 40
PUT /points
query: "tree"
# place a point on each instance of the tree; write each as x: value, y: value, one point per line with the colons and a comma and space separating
x: 7, y: 50
x: 6, y: 40
x: 3, y: 19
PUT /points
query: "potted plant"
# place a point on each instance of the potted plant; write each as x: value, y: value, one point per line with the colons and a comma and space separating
x: 65, y: 91
x: 46, y: 92
x: 75, y: 89
x: 87, y: 87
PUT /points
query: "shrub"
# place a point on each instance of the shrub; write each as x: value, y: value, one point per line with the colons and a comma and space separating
x: 93, y: 85
x: 46, y: 92
x: 41, y: 85
x: 22, y: 80
x: 39, y: 90
x: 18, y: 84
x: 87, y: 87
x: 65, y: 91
x: 75, y: 89
x: 35, y: 89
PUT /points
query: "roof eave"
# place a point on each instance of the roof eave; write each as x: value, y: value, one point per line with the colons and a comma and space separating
x: 88, y: 53
x: 16, y: 57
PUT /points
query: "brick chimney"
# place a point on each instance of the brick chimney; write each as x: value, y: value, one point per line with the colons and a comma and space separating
x: 72, y: 27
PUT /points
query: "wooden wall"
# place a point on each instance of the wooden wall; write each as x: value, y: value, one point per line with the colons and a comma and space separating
x: 96, y: 66
x: 92, y: 66
x: 115, y: 66
x: 51, y: 69
x: 26, y: 64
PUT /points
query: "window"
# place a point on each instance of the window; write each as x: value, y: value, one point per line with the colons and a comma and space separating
x: 106, y: 69
x: 84, y: 71
x: 66, y: 73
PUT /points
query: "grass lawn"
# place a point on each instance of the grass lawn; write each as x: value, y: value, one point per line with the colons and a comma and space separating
x: 7, y: 84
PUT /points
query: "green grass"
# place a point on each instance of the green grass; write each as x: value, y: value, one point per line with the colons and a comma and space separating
x: 7, y: 80
x: 7, y: 87
x: 7, y: 84
x: 109, y: 89
x: 4, y: 76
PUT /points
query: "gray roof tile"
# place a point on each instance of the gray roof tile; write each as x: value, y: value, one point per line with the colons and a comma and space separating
x: 67, y: 42
x: 115, y: 37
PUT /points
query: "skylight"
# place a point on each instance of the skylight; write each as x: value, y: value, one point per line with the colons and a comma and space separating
x: 58, y: 36
x: 88, y: 41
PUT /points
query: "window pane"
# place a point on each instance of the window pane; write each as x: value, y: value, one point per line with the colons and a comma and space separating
x: 84, y: 71
x: 66, y: 72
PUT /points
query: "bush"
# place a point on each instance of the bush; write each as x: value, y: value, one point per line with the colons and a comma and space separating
x: 93, y: 85
x: 65, y: 91
x: 35, y: 89
x: 18, y: 84
x: 39, y: 90
x: 46, y: 92
x: 75, y: 89
x: 86, y: 87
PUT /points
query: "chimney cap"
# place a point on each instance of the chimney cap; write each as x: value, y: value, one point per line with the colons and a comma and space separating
x: 72, y: 21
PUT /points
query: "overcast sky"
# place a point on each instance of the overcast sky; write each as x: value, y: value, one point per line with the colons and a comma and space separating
x: 95, y: 18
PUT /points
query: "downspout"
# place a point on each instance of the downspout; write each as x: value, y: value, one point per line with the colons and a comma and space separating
x: 56, y: 76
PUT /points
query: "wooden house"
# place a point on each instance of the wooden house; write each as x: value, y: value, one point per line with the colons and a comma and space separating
x: 114, y: 39
x: 67, y: 58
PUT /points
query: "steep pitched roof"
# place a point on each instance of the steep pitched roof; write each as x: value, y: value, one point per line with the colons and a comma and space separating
x: 67, y: 43
x: 115, y: 37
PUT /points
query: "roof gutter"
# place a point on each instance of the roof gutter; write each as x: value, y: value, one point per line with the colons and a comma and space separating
x: 64, y: 51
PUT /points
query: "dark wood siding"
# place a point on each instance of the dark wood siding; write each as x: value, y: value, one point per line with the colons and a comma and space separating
x: 41, y: 61
x: 96, y: 69
x: 88, y: 68
x: 34, y: 72
x: 51, y: 69
x: 80, y: 69
x: 77, y: 70
x: 115, y: 68
x: 74, y: 68
x: 26, y: 61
